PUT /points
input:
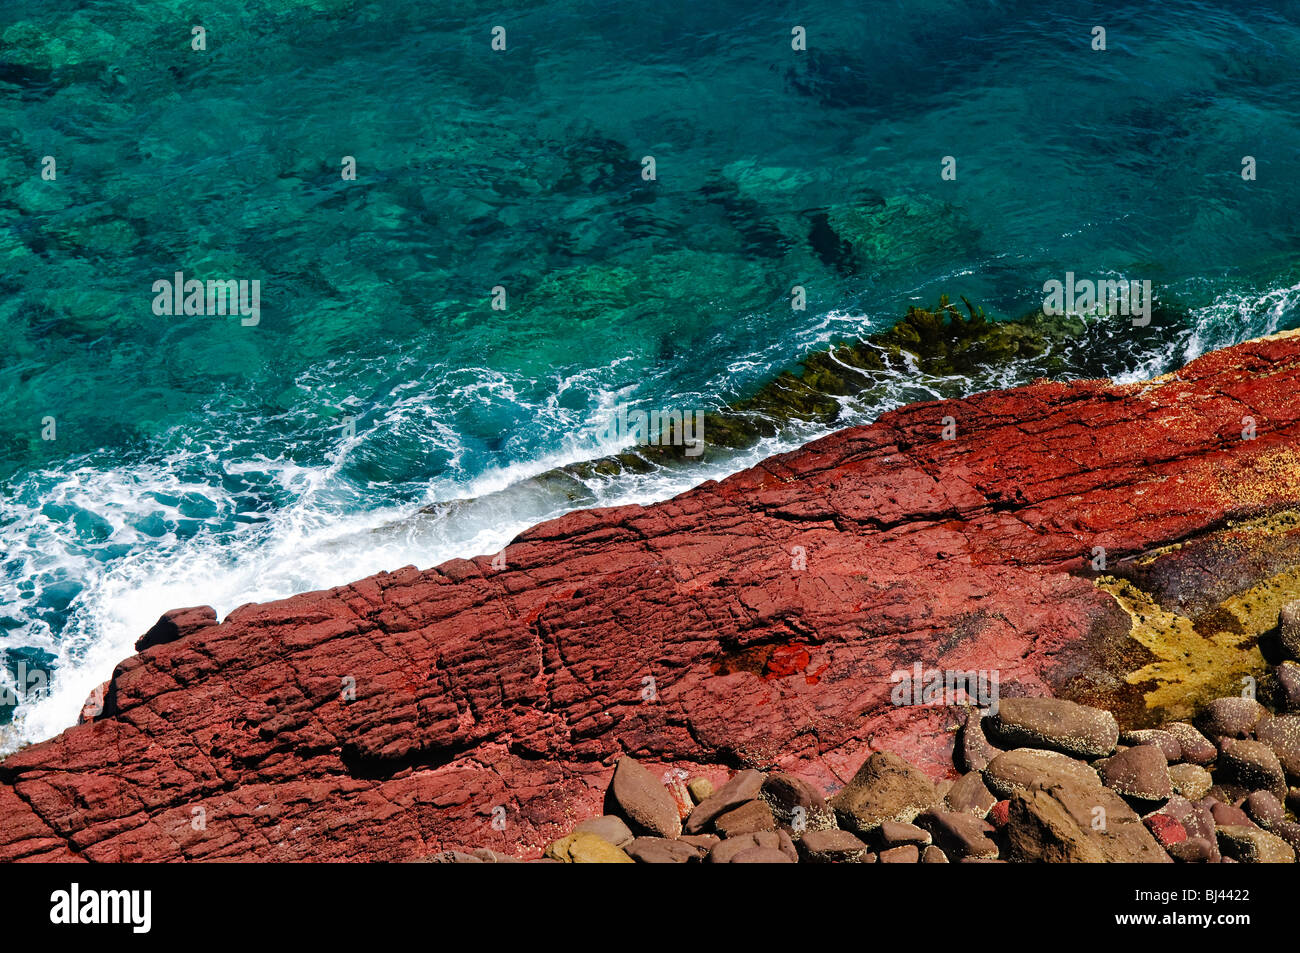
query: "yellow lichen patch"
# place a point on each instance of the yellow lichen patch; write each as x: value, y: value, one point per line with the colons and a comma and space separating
x: 1190, y: 666
x: 1256, y: 609
x: 1282, y: 521
x: 1147, y: 558
x: 1276, y: 477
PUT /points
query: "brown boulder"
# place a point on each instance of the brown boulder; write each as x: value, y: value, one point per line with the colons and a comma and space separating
x: 1282, y: 735
x: 1195, y: 747
x: 907, y: 854
x: 832, y: 847
x: 1250, y: 845
x: 743, y: 786
x: 1288, y: 680
x: 1163, y: 740
x: 1190, y: 780
x: 1140, y: 772
x: 970, y: 795
x: 1073, y: 822
x: 959, y: 835
x: 885, y: 788
x: 726, y: 851
x: 749, y: 818
x: 796, y: 803
x: 607, y: 826
x: 1252, y: 765
x: 762, y: 855
x: 973, y: 750
x: 1289, y: 629
x: 895, y: 833
x: 1054, y: 724
x: 643, y: 800
x: 1022, y: 768
x: 1231, y: 717
x: 661, y: 850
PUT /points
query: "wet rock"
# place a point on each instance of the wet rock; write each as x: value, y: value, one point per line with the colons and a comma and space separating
x: 832, y: 847
x: 1021, y: 768
x: 743, y: 786
x: 1253, y: 765
x: 749, y: 818
x: 643, y: 799
x: 1231, y: 717
x: 1250, y: 845
x: 610, y: 827
x: 1140, y: 772
x: 970, y: 795
x: 885, y: 788
x: 1190, y: 780
x: 586, y: 848
x: 1195, y: 747
x: 1054, y: 724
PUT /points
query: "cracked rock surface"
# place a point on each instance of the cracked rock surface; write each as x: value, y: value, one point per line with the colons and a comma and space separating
x: 1118, y: 545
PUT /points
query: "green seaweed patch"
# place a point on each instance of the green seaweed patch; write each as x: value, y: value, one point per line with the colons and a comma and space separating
x: 946, y: 342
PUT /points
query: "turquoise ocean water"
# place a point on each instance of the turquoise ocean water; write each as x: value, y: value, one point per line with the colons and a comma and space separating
x: 197, y: 460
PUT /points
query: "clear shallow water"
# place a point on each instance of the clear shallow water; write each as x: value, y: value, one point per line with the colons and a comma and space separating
x: 200, y: 461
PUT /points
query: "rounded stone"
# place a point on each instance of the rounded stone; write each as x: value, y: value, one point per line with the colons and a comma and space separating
x: 1054, y: 724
